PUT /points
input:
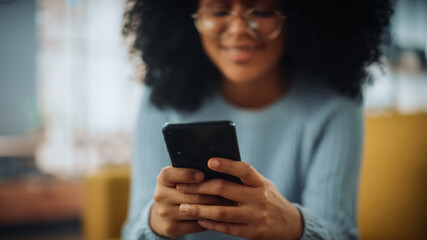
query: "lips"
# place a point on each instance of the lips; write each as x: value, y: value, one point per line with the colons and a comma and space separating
x: 240, y: 53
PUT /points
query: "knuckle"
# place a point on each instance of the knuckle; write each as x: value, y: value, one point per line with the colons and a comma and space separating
x: 220, y: 214
x: 227, y: 229
x: 268, y: 185
x: 162, y: 211
x: 164, y: 174
x: 195, y: 212
x: 219, y: 186
x: 248, y: 170
x: 159, y: 178
x: 265, y: 200
x: 170, y: 228
x: 158, y: 197
x: 197, y: 197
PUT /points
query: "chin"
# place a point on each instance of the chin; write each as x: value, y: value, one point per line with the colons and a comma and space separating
x: 239, y: 76
x: 239, y: 79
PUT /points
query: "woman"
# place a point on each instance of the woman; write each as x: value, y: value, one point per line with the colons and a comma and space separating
x: 289, y: 74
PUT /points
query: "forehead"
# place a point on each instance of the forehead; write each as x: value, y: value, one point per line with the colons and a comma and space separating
x: 239, y: 2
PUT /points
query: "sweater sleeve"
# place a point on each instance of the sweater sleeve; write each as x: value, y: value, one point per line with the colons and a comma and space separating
x: 147, y: 161
x: 329, y: 196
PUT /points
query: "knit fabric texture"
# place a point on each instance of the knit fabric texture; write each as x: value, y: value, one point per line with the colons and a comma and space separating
x: 308, y: 143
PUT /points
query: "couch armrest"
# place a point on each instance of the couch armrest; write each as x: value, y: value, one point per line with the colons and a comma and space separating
x: 393, y: 193
x: 105, y: 204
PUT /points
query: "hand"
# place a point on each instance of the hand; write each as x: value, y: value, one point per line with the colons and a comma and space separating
x: 261, y: 211
x: 165, y: 217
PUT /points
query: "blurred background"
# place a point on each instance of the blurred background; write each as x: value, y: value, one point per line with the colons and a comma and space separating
x: 68, y: 101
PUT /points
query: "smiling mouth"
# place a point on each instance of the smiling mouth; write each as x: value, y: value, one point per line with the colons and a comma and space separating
x: 240, y: 54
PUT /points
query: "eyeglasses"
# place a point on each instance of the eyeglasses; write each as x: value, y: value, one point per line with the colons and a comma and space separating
x: 261, y: 23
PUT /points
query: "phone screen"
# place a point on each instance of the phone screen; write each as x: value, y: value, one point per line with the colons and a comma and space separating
x: 191, y: 145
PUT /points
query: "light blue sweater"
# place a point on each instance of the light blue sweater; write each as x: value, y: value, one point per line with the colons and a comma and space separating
x: 308, y: 144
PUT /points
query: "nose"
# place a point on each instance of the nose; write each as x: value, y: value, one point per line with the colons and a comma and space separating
x: 237, y: 25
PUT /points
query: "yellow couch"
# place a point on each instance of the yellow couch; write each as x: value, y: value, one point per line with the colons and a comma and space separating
x: 393, y: 187
x: 105, y: 203
x: 392, y: 195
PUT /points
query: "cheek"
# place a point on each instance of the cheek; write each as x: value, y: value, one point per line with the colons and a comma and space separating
x: 273, y: 53
x: 211, y: 48
x: 276, y: 47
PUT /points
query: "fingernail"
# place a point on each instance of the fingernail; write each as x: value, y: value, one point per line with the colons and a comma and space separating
x: 214, y: 163
x: 198, y: 176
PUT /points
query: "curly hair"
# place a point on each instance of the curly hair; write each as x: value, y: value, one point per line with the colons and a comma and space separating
x: 333, y: 38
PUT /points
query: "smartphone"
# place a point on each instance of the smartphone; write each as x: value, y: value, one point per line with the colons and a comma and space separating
x: 191, y: 145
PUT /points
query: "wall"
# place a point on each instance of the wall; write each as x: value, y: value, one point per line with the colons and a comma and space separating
x: 17, y: 66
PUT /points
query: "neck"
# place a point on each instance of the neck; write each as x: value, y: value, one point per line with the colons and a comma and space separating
x: 257, y: 93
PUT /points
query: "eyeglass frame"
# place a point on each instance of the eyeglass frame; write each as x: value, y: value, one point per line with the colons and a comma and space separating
x: 245, y: 15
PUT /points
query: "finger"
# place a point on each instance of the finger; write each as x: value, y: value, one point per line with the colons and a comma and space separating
x: 168, y: 201
x: 169, y: 176
x: 247, y: 174
x: 174, y: 197
x: 206, y: 200
x: 177, y: 215
x: 235, y: 229
x: 230, y: 214
x: 219, y: 187
x: 172, y: 212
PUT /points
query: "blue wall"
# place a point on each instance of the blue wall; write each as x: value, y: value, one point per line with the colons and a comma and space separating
x: 17, y: 66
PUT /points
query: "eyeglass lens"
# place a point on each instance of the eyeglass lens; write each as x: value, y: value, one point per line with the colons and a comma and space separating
x: 263, y: 23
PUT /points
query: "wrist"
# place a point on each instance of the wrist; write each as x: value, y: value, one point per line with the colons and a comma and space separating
x: 298, y: 226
